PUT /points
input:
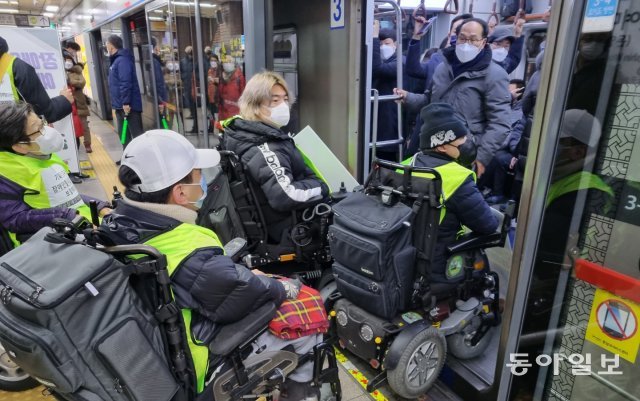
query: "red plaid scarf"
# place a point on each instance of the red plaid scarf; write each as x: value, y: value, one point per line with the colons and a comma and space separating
x: 300, y: 317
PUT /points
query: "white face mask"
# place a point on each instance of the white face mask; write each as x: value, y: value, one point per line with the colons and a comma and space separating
x: 51, y: 141
x: 214, y: 64
x: 228, y: 67
x: 591, y: 50
x: 466, y: 52
x: 499, y: 54
x: 280, y: 114
x: 68, y: 65
x: 386, y: 51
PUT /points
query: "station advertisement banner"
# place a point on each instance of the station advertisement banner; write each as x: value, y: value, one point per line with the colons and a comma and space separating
x: 40, y: 48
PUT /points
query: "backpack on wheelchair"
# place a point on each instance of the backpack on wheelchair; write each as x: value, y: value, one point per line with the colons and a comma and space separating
x: 233, y: 209
x: 96, y: 322
x: 386, y: 310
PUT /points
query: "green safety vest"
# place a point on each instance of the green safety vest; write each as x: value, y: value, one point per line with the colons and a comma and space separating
x: 177, y: 245
x: 453, y: 175
x: 46, y: 183
x: 576, y: 182
x: 7, y: 87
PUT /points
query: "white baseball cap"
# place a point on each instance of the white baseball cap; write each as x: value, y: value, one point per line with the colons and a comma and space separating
x: 582, y: 126
x: 162, y: 157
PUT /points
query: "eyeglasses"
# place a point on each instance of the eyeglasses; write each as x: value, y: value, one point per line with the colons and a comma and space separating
x: 41, y: 129
x: 463, y: 40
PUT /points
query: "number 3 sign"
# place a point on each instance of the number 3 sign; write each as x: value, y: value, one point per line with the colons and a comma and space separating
x: 337, y: 14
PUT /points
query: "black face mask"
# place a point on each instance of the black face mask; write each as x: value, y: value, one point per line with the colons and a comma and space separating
x: 468, y: 152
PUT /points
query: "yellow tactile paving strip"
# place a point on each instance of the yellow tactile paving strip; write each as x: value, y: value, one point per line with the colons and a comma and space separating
x: 104, y: 167
x: 30, y: 395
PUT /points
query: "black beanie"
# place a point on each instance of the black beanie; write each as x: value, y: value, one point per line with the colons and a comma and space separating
x: 4, y: 46
x: 440, y: 125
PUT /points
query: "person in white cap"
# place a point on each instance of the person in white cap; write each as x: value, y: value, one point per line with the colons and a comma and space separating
x: 164, y: 187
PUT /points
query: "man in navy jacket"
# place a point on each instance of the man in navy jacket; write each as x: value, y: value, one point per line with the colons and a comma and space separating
x: 124, y: 89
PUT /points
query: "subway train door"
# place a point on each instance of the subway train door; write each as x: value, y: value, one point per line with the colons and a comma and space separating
x: 570, y: 329
x: 167, y: 88
x: 316, y: 45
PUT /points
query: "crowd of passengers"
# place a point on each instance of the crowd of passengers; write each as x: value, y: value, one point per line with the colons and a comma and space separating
x: 472, y: 121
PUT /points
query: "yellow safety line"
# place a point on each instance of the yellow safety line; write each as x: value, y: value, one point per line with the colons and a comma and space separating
x: 104, y: 166
x: 356, y: 374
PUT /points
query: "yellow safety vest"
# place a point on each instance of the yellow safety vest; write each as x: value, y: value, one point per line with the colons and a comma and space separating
x: 576, y: 182
x: 453, y: 175
x: 177, y: 245
x: 46, y: 183
x: 8, y: 89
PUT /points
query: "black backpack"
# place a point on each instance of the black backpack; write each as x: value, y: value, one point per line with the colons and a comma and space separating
x: 374, y: 257
x: 70, y: 318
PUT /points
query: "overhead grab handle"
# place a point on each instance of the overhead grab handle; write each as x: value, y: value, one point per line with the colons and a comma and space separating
x: 471, y: 7
x: 448, y: 7
x: 420, y: 11
x: 494, y: 15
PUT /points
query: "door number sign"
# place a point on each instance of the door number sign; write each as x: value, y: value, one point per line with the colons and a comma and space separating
x: 337, y: 14
x: 613, y: 325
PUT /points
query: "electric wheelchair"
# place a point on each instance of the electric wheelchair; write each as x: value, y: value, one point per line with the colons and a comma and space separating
x: 234, y: 372
x: 232, y: 209
x: 401, y: 322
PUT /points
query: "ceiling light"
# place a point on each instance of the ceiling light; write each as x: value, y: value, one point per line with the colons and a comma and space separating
x: 156, y: 19
x: 48, y: 15
x: 4, y: 2
x: 15, y: 3
x: 52, y: 8
x: 8, y: 10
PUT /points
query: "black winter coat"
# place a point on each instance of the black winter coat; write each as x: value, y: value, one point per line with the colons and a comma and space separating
x: 465, y: 207
x: 31, y: 90
x: 277, y: 168
x: 384, y: 80
x: 216, y: 289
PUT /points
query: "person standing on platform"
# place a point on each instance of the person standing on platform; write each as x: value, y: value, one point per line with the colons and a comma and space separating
x: 124, y: 90
x: 19, y: 82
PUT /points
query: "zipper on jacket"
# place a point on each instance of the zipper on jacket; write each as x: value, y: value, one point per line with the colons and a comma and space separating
x: 35, y: 339
x: 37, y: 288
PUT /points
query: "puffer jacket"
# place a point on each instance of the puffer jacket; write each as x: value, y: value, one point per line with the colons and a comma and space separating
x: 77, y: 82
x: 465, y: 207
x: 21, y: 219
x: 208, y: 282
x: 479, y: 94
x: 123, y: 83
x: 277, y: 167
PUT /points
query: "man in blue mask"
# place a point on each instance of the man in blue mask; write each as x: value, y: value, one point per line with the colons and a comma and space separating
x: 384, y: 75
x: 164, y: 187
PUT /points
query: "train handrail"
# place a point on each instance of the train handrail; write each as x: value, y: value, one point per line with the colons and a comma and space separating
x: 447, y: 7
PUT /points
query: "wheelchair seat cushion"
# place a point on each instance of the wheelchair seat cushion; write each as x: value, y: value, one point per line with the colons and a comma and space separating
x: 236, y: 334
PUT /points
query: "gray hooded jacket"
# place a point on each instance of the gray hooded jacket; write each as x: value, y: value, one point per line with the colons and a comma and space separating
x: 480, y: 95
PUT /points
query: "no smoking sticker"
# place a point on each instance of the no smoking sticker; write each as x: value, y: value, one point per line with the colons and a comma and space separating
x: 613, y: 325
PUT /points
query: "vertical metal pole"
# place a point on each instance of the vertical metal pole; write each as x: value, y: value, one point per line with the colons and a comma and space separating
x: 399, y: 71
x: 255, y: 30
x: 374, y: 127
x: 203, y: 98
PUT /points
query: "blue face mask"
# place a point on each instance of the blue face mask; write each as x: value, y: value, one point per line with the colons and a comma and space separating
x: 203, y: 186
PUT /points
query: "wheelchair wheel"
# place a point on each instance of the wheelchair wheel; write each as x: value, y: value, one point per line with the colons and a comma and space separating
x: 12, y: 377
x: 419, y: 365
x: 460, y: 343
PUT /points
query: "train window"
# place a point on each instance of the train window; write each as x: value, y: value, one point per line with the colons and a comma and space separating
x: 580, y: 327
